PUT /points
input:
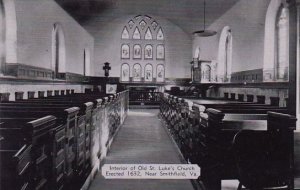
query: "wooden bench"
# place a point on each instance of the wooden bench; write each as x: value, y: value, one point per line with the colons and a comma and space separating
x: 33, y: 160
x: 206, y: 138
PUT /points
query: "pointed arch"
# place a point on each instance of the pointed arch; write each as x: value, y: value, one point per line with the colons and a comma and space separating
x: 58, y: 50
x: 136, y: 34
x: 154, y: 25
x: 148, y: 34
x: 142, y: 24
x: 130, y: 24
x: 225, y: 55
x: 125, y: 33
x: 160, y: 35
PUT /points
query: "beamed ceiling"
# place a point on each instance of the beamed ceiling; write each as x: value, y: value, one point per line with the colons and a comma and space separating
x: 187, y: 14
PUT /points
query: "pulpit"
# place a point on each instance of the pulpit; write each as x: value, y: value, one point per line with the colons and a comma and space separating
x: 203, y: 71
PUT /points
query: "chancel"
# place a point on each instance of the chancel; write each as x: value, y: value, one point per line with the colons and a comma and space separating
x: 164, y: 95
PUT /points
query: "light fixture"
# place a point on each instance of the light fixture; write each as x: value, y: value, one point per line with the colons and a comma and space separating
x: 204, y: 33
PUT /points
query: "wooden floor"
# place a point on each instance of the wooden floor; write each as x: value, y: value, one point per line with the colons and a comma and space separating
x: 141, y: 140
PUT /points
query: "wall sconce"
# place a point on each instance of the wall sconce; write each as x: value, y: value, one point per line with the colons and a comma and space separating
x: 106, y: 69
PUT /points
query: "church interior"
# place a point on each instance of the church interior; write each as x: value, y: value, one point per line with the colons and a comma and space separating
x: 84, y: 83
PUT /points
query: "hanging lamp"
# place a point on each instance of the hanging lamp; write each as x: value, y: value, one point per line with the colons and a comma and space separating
x: 204, y: 33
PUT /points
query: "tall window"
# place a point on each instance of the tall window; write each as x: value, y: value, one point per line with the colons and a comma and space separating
x: 282, y: 46
x: 225, y: 56
x: 276, y: 50
x: 228, y: 55
x: 142, y: 48
x: 2, y: 38
x: 86, y: 61
x: 58, y: 50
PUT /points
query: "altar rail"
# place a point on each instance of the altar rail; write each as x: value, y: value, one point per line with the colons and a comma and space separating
x: 144, y: 97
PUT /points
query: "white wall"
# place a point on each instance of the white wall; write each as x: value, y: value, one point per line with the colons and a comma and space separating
x: 247, y: 22
x: 108, y: 41
x: 35, y: 20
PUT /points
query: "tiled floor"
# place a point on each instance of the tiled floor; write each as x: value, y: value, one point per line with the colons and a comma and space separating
x: 141, y: 140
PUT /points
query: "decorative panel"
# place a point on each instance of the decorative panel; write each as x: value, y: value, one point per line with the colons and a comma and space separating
x: 137, y: 51
x: 148, y: 73
x: 136, y: 34
x: 160, y: 73
x: 160, y: 52
x: 143, y: 24
x: 137, y: 72
x: 148, y: 52
x: 125, y: 33
x: 125, y: 71
x: 148, y: 35
x: 160, y: 35
x: 125, y: 51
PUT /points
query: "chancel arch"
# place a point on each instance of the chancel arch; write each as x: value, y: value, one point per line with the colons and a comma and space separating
x: 276, y: 44
x: 58, y: 50
x: 225, y: 55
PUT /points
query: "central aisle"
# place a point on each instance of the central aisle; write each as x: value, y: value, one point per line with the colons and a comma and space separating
x: 141, y: 140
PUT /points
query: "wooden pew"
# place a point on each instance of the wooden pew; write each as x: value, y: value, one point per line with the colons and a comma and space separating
x: 67, y: 117
x: 220, y: 163
x: 239, y: 107
x: 115, y: 108
x: 207, y: 140
x: 33, y: 159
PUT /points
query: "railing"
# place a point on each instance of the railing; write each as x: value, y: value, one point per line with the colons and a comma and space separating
x: 144, y: 97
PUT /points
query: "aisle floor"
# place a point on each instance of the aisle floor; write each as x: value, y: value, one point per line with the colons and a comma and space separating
x: 141, y: 140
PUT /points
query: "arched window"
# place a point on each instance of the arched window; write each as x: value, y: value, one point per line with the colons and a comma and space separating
x: 282, y: 39
x: 58, y: 50
x: 225, y: 55
x: 125, y: 33
x: 125, y: 72
x: 148, y: 73
x: 148, y: 52
x: 276, y: 50
x: 125, y: 51
x: 142, y: 39
x: 160, y: 52
x: 2, y: 38
x: 160, y: 73
x: 137, y: 72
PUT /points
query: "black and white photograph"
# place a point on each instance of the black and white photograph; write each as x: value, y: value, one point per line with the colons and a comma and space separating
x: 149, y: 95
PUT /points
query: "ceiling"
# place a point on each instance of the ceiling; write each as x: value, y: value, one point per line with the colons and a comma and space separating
x: 187, y: 14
